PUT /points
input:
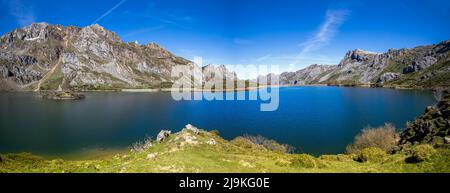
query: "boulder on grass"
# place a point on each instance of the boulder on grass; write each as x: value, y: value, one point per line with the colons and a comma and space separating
x: 163, y: 135
x: 195, y: 130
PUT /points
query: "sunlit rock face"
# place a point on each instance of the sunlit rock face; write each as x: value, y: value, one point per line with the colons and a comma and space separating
x: 423, y: 66
x: 52, y: 56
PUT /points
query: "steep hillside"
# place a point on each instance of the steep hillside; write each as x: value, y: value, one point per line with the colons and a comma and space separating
x: 420, y: 67
x: 45, y: 57
x: 433, y: 127
x: 423, y: 147
x: 193, y: 150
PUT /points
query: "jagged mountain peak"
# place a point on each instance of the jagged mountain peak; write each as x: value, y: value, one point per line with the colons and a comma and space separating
x: 423, y: 66
x: 211, y: 71
x: 45, y: 56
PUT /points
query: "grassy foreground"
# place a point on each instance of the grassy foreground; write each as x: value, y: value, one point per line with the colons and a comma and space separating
x: 192, y: 152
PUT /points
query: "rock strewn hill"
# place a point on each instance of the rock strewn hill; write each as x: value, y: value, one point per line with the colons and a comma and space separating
x: 420, y: 67
x: 433, y: 127
x: 43, y: 56
x: 194, y: 150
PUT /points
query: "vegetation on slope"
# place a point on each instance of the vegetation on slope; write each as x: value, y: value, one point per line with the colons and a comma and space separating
x: 188, y: 151
x: 423, y: 147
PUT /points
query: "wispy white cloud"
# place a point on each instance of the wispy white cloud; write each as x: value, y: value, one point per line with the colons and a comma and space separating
x: 109, y: 11
x: 24, y: 14
x: 263, y: 58
x: 329, y: 28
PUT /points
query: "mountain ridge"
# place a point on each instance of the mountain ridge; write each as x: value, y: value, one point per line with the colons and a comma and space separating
x: 419, y: 67
x: 42, y: 56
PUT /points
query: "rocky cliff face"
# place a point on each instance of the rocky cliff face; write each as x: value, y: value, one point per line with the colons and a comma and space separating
x: 310, y: 75
x: 45, y: 57
x: 433, y: 127
x: 218, y: 72
x: 424, y: 66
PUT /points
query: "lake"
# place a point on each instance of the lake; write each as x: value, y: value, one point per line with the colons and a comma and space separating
x: 315, y: 120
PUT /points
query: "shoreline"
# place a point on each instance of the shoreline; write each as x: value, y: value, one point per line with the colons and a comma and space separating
x: 158, y: 90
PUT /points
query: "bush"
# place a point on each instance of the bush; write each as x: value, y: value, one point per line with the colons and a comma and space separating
x: 142, y: 145
x: 303, y: 160
x: 372, y: 154
x: 283, y: 163
x: 339, y: 157
x: 270, y: 144
x: 215, y: 132
x: 421, y: 153
x: 306, y: 161
x: 244, y: 143
x: 384, y: 138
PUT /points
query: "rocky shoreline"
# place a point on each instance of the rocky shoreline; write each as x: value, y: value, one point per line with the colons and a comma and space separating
x: 62, y: 95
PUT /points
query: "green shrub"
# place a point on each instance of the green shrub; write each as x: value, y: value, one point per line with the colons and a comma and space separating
x: 215, y: 132
x: 422, y: 153
x: 372, y: 154
x: 283, y: 162
x: 339, y: 157
x: 384, y: 138
x: 270, y: 144
x: 243, y: 142
x: 304, y: 160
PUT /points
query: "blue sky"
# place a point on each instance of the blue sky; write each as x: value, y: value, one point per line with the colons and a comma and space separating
x: 289, y: 33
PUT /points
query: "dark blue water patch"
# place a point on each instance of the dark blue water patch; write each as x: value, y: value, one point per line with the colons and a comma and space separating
x: 316, y: 120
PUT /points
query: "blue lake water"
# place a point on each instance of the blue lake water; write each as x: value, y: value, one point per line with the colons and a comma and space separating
x: 316, y: 120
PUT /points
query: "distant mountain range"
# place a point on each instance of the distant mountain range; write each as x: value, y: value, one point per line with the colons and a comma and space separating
x: 420, y: 67
x: 47, y: 57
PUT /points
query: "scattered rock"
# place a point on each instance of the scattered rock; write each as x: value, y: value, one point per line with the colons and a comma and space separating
x: 388, y: 76
x: 246, y: 164
x: 195, y: 130
x: 163, y: 135
x: 64, y: 95
x: 211, y: 142
x: 186, y: 138
x: 151, y: 156
x: 430, y: 109
x: 419, y: 65
x: 447, y: 140
x: 190, y: 139
x: 171, y: 169
x: 431, y: 127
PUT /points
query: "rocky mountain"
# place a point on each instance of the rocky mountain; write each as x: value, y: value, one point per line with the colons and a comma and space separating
x: 420, y: 67
x: 45, y: 57
x: 218, y: 72
x: 310, y: 75
x: 433, y: 127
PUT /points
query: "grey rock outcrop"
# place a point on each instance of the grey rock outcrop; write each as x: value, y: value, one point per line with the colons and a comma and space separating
x: 395, y: 67
x: 389, y: 76
x: 218, y: 72
x: 191, y: 128
x: 52, y: 56
x: 163, y: 135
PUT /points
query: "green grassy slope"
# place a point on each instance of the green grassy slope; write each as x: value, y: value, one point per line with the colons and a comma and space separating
x: 188, y: 152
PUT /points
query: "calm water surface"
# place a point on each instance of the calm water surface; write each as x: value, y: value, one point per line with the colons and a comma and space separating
x: 315, y: 120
